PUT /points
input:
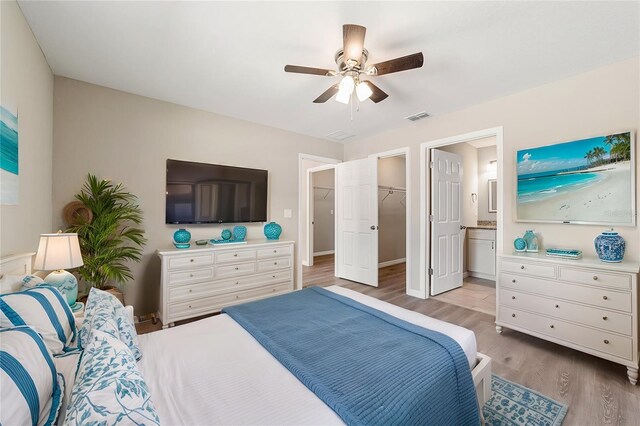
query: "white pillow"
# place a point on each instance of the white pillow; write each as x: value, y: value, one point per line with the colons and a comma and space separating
x: 31, y: 390
x: 67, y: 367
x: 46, y: 310
x: 13, y: 283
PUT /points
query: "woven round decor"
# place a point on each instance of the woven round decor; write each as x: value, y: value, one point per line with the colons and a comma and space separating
x: 75, y: 210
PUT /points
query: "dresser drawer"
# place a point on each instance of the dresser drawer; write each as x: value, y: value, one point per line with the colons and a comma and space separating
x: 235, y: 256
x: 274, y: 264
x: 482, y: 234
x: 235, y: 270
x: 593, y: 277
x: 197, y: 291
x: 192, y: 261
x: 181, y: 278
x: 215, y: 303
x: 572, y: 292
x: 526, y: 268
x: 606, y: 320
x: 265, y: 253
x: 601, y: 341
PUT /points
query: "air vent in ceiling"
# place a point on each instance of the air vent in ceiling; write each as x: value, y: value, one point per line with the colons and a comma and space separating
x: 418, y: 116
x: 339, y: 135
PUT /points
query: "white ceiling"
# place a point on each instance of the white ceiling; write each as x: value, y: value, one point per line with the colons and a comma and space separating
x: 228, y: 57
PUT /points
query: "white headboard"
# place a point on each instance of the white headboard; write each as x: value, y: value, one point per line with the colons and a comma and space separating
x: 18, y: 264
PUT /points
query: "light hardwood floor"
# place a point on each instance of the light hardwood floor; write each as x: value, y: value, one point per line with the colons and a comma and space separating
x: 476, y: 294
x: 597, y: 391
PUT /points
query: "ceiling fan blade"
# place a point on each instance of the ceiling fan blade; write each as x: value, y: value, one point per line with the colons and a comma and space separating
x: 408, y: 62
x: 353, y: 42
x: 308, y: 70
x: 326, y: 95
x: 378, y: 94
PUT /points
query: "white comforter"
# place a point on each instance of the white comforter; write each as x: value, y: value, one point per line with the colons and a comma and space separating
x: 213, y: 372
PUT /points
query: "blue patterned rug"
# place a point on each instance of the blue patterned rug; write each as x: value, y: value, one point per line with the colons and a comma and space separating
x: 513, y: 404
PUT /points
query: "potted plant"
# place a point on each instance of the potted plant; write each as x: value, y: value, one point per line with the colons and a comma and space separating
x: 111, y: 238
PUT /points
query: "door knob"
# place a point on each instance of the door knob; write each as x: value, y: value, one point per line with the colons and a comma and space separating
x: 373, y: 227
x: 463, y: 227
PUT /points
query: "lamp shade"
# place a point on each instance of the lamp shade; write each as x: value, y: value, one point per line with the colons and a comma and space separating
x: 58, y: 251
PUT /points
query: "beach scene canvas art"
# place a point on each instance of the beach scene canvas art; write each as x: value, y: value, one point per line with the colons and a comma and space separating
x: 583, y: 181
x: 9, y: 184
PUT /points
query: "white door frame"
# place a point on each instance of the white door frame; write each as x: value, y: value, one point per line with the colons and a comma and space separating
x: 425, y: 194
x: 301, y: 202
x: 309, y: 201
x: 407, y: 155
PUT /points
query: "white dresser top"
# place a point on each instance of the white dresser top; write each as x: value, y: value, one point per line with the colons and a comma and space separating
x: 587, y: 262
x: 168, y: 251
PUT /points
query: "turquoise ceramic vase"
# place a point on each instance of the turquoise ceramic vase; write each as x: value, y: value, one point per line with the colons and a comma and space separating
x: 532, y: 241
x: 610, y: 247
x: 181, y: 236
x: 239, y: 233
x: 226, y: 234
x: 272, y: 231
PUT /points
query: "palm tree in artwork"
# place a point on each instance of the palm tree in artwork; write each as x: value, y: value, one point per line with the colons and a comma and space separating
x: 589, y: 157
x: 619, y: 146
x: 599, y: 153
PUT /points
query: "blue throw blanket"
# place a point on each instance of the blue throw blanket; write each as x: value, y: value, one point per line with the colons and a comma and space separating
x: 369, y: 367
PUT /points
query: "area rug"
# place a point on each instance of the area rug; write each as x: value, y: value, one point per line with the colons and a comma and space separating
x: 513, y: 404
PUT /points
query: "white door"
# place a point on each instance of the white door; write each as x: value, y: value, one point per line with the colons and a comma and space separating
x: 357, y: 221
x: 445, y: 219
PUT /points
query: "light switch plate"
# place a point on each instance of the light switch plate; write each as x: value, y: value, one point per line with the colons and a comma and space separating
x: 287, y: 213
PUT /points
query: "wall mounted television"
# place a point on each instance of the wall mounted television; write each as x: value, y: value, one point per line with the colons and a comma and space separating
x: 213, y: 193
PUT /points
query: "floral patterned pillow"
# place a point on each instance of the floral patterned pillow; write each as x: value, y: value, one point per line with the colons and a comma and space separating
x: 109, y: 389
x: 105, y: 312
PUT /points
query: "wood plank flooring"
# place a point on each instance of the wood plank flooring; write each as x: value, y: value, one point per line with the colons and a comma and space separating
x: 475, y: 294
x: 597, y: 391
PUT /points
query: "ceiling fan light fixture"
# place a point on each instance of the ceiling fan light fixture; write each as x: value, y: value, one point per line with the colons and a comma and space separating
x: 346, y: 85
x: 363, y: 91
x: 343, y: 97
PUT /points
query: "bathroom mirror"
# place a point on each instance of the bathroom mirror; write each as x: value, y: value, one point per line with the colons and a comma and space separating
x: 493, y: 195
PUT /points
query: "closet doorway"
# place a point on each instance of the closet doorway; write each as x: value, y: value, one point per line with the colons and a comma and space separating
x: 321, y: 207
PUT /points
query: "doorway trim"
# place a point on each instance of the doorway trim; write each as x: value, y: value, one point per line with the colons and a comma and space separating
x: 301, y: 202
x: 425, y: 194
x: 407, y: 155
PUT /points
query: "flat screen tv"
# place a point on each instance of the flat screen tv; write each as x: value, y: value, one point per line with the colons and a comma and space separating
x: 212, y: 193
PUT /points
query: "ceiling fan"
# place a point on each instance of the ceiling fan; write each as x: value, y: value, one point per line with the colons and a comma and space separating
x: 352, y: 66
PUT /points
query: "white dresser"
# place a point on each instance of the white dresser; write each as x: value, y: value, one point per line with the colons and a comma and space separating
x: 585, y: 304
x: 199, y: 281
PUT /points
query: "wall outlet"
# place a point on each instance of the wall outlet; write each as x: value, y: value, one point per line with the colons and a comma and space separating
x: 287, y: 213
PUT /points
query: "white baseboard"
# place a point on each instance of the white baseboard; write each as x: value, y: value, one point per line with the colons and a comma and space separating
x: 391, y: 262
x: 483, y: 276
x: 305, y: 263
x: 324, y: 253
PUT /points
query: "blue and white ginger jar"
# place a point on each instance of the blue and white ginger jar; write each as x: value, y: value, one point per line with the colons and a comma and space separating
x: 272, y: 231
x: 609, y: 246
x: 181, y: 236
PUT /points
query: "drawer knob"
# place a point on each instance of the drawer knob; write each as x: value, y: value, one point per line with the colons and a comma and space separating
x: 522, y: 267
x: 273, y: 276
x: 605, y: 318
x: 237, y: 297
x: 191, y: 275
x: 513, y: 315
x: 235, y: 254
x: 273, y: 289
x: 189, y: 306
x: 605, y: 297
x: 275, y: 263
x: 275, y: 251
x: 236, y: 268
x: 557, y: 306
x: 190, y: 290
x: 237, y: 282
x: 552, y: 326
x: 595, y: 278
x: 190, y: 260
x: 513, y: 298
x: 606, y: 342
x: 513, y: 280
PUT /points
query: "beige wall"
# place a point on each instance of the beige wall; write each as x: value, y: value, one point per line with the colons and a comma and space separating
x: 594, y: 103
x: 392, y: 215
x: 127, y: 138
x: 485, y: 155
x: 323, y: 211
x: 27, y: 86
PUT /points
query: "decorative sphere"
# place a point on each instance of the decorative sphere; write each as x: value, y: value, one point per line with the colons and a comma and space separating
x: 226, y: 234
x: 272, y: 231
x: 182, y: 236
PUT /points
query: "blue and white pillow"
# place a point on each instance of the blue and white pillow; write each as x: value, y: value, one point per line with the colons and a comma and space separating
x: 105, y: 312
x: 31, y: 391
x: 46, y: 310
x: 109, y: 389
x: 13, y: 283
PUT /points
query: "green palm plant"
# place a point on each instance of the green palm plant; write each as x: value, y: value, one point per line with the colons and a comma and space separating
x: 111, y: 239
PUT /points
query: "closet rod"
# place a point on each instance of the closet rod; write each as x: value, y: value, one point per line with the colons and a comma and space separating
x: 391, y: 188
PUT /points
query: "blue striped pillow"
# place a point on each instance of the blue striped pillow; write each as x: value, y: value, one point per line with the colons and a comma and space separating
x: 46, y: 310
x: 31, y: 391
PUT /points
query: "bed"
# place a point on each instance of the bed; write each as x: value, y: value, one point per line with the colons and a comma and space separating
x: 213, y: 371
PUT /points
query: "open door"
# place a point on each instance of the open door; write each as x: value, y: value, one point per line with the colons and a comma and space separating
x: 357, y: 221
x: 445, y: 219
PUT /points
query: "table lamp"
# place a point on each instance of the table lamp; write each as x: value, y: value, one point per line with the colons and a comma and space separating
x: 58, y: 252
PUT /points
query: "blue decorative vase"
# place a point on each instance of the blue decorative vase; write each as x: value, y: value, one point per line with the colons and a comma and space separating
x: 226, y: 234
x: 520, y: 244
x: 239, y: 233
x: 272, y: 231
x: 532, y: 241
x: 181, y: 236
x: 610, y: 246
